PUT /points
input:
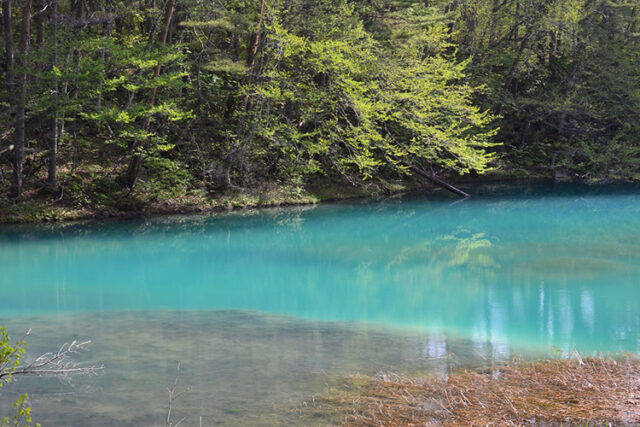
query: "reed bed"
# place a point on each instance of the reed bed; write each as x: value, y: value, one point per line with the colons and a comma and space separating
x: 593, y: 391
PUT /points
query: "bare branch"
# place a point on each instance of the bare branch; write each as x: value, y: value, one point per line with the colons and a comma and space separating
x: 173, y: 396
x: 59, y: 363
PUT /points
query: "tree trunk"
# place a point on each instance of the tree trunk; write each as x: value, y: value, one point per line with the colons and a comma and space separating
x: 7, y: 26
x: 511, y: 83
x: 77, y: 6
x: 39, y: 22
x: 53, y: 145
x: 552, y: 56
x: 8, y: 40
x: 255, y: 43
x: 440, y: 182
x: 25, y: 34
x: 136, y: 161
x: 103, y: 54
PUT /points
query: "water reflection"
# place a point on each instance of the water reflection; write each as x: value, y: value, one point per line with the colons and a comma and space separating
x: 409, y: 284
x: 530, y: 271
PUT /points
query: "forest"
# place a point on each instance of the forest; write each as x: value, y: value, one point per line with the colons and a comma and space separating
x: 519, y: 306
x: 109, y: 104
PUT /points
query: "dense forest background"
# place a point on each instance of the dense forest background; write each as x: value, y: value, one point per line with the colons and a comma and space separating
x: 109, y: 103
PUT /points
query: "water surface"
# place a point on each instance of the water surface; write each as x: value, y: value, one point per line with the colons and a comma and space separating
x: 266, y: 308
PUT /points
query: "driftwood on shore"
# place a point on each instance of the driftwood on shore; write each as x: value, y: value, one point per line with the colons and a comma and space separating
x: 594, y: 391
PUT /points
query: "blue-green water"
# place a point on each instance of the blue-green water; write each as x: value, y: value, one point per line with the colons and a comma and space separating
x: 278, y: 299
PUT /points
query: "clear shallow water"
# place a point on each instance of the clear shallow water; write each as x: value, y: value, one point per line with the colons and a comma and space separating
x: 263, y: 309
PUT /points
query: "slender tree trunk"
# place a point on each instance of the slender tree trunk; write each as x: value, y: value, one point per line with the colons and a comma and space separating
x: 255, y: 43
x: 136, y: 161
x: 8, y: 43
x: 103, y: 54
x: 510, y: 81
x: 77, y: 6
x: 53, y: 154
x: 53, y: 145
x: 235, y: 154
x: 235, y: 42
x: 9, y: 57
x: 74, y: 119
x: 516, y: 19
x: 39, y: 22
x: 25, y: 34
x: 551, y: 61
x: 171, y: 7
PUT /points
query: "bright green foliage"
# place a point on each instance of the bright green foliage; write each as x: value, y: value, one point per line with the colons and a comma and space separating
x: 241, y: 95
x: 125, y: 107
x: 10, y: 355
x: 362, y: 107
x: 22, y: 417
x: 340, y: 101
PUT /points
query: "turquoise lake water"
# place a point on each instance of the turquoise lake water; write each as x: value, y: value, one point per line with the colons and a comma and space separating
x: 265, y: 308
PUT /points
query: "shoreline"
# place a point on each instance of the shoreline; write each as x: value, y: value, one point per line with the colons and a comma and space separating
x: 47, y: 212
x: 39, y: 209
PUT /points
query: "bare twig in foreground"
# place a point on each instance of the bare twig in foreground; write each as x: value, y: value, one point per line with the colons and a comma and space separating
x: 59, y: 363
x: 173, y: 396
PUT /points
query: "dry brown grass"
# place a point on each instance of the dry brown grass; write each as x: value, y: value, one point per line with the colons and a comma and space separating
x: 595, y: 391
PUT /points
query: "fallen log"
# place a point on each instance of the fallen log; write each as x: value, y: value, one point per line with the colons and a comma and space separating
x: 440, y: 182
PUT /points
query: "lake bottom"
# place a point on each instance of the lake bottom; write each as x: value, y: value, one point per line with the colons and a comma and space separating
x: 240, y: 368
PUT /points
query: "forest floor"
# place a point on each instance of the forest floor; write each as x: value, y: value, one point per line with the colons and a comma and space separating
x: 576, y: 391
